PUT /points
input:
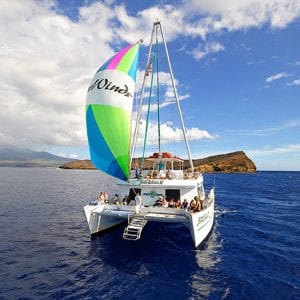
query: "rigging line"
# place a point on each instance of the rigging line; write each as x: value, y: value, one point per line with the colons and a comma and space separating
x: 104, y: 181
x: 177, y: 101
x: 174, y: 126
x: 147, y: 120
x: 157, y: 87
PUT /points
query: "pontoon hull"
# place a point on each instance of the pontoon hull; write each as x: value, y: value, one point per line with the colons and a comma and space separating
x: 103, y: 216
x: 98, y: 222
x: 201, y: 224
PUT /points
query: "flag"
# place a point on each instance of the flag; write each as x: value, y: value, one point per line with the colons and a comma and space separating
x: 149, y: 68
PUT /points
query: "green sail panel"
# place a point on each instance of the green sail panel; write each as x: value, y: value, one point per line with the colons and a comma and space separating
x: 118, y: 140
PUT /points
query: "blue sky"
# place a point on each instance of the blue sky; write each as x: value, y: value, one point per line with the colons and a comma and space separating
x: 237, y: 66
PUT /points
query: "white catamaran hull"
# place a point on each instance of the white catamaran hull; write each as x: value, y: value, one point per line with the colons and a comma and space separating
x: 201, y: 224
x: 98, y: 222
x: 104, y: 216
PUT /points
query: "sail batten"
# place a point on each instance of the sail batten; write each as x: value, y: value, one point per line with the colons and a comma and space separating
x: 108, y: 112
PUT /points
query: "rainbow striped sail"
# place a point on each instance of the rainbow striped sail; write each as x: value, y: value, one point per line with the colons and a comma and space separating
x: 108, y: 112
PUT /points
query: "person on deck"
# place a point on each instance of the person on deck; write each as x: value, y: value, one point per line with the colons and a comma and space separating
x: 198, y: 199
x: 184, y: 204
x: 138, y: 199
x: 116, y: 199
x: 137, y: 171
x: 158, y: 202
x: 165, y: 202
x: 138, y: 202
x: 168, y: 174
x: 195, y: 205
x: 101, y: 197
x: 177, y: 203
x: 106, y: 198
x: 160, y: 166
x: 125, y: 200
x: 172, y: 203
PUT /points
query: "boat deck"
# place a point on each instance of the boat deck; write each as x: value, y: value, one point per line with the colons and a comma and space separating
x: 151, y: 213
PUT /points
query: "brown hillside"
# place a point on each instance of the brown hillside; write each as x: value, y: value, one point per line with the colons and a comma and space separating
x: 228, y: 163
x: 79, y: 164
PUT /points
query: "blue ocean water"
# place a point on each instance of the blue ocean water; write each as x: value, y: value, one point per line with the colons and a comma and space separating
x: 46, y: 251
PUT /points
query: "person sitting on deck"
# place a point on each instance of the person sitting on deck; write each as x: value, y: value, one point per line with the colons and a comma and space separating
x: 165, y: 202
x: 106, y: 198
x: 100, y: 197
x: 177, y: 203
x: 184, y: 204
x: 158, y: 202
x: 126, y: 200
x: 200, y: 202
x: 117, y: 199
x: 192, y: 205
x: 172, y: 203
x: 168, y: 174
x: 195, y: 205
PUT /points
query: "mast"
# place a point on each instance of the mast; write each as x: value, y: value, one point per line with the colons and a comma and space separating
x: 139, y: 114
x: 176, y: 97
x: 156, y: 25
x: 157, y: 91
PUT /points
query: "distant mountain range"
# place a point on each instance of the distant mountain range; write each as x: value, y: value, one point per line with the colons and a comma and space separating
x: 21, y: 157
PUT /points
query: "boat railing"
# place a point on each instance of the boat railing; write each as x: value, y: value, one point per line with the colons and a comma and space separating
x: 149, y: 175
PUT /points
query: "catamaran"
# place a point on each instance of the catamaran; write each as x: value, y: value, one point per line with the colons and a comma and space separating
x: 156, y: 188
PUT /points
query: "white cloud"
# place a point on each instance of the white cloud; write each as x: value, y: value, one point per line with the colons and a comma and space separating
x: 295, y: 82
x: 277, y: 76
x: 203, y: 50
x: 234, y: 14
x: 166, y: 92
x: 170, y: 133
x: 46, y: 64
x: 71, y: 155
x: 294, y: 148
x: 269, y: 130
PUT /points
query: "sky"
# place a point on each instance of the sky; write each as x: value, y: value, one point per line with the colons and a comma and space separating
x: 236, y: 65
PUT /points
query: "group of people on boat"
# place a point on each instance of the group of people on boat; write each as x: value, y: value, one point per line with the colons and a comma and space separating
x: 103, y: 197
x: 172, y: 203
x: 168, y: 174
x: 115, y: 199
x: 195, y: 205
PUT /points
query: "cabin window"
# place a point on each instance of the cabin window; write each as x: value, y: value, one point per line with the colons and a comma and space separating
x: 175, y: 194
x: 133, y: 192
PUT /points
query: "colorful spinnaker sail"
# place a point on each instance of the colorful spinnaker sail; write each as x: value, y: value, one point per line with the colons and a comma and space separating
x: 108, y: 112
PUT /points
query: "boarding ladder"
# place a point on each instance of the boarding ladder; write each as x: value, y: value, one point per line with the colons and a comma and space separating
x: 135, y: 226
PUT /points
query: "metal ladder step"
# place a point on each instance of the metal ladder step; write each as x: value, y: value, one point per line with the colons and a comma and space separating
x: 135, y: 226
